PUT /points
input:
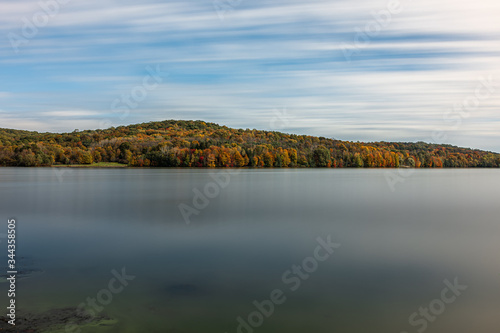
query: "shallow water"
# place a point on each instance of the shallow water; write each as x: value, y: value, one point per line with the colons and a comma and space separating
x: 398, y: 242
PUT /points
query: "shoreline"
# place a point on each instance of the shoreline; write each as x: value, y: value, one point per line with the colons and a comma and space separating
x: 125, y: 166
x: 86, y: 166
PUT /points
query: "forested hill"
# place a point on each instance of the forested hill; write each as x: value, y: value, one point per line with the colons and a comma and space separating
x: 175, y: 143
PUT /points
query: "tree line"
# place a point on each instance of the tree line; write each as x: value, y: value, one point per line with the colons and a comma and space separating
x: 175, y: 143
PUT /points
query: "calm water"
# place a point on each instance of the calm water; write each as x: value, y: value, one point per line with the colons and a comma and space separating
x: 396, y: 247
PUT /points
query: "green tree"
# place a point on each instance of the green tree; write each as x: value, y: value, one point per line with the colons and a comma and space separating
x: 321, y: 156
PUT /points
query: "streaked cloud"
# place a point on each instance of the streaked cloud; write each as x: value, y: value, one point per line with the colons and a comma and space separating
x: 70, y: 113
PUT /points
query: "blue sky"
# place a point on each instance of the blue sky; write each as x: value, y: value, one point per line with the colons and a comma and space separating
x: 397, y: 70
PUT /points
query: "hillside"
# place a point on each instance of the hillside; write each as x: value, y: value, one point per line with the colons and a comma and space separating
x: 176, y: 143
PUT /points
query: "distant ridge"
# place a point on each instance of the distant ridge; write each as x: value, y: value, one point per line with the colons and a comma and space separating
x: 187, y: 143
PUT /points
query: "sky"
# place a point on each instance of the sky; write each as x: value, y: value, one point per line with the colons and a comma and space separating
x: 357, y: 70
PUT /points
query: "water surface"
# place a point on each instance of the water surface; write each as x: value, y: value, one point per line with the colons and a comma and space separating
x: 397, y: 246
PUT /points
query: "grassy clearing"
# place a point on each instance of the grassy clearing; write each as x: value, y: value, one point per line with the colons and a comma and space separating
x: 93, y: 165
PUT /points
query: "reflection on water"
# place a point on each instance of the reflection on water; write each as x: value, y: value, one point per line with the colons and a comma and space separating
x: 397, y: 248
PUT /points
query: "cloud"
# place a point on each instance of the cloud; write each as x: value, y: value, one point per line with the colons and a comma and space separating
x: 70, y: 113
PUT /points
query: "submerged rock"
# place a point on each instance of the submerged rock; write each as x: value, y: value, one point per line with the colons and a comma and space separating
x: 54, y: 320
x: 25, y: 268
x: 183, y: 289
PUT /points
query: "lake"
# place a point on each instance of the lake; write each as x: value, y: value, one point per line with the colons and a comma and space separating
x: 288, y: 250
